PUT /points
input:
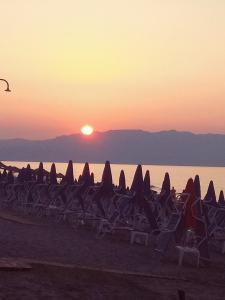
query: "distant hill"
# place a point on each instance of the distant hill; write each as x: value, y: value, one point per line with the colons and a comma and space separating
x: 122, y: 146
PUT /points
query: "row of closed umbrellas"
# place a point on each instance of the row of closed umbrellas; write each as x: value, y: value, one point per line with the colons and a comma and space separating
x: 139, y: 184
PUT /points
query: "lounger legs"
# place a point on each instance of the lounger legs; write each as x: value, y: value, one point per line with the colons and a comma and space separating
x: 181, y: 257
x: 183, y: 250
x: 135, y: 234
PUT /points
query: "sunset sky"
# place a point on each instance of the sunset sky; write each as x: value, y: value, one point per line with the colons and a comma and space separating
x: 143, y: 64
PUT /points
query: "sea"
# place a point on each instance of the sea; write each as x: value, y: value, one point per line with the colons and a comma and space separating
x: 178, y: 174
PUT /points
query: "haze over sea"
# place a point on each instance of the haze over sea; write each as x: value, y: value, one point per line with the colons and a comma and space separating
x: 178, y: 174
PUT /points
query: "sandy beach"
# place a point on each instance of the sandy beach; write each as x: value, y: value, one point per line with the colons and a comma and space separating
x: 112, y: 150
x: 73, y: 264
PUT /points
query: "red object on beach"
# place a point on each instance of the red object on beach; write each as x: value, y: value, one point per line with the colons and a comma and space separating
x: 190, y: 210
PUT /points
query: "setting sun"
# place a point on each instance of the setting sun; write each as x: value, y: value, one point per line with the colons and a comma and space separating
x: 87, y: 130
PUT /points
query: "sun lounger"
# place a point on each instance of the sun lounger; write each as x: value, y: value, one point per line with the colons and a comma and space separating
x: 137, y: 236
x: 189, y: 247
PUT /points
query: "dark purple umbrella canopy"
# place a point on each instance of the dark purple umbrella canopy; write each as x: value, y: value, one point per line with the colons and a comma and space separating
x: 147, y: 183
x: 69, y: 177
x: 166, y: 185
x: 107, y: 183
x: 80, y: 179
x: 122, y: 181
x: 10, y: 177
x: 139, y: 198
x: 92, y: 178
x: 21, y: 175
x: 197, y: 187
x: 221, y: 200
x: 210, y: 196
x: 40, y: 174
x: 4, y: 175
x: 137, y: 184
x: 53, y: 175
x: 28, y: 173
x: 86, y: 176
x: 86, y: 171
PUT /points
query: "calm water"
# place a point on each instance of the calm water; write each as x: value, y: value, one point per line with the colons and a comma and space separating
x: 178, y: 174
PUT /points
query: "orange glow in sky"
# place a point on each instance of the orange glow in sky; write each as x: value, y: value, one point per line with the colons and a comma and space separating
x: 139, y: 64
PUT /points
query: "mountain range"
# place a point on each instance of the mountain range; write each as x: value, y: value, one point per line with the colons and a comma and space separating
x: 122, y: 146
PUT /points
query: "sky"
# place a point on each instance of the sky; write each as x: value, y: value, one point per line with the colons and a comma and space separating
x: 121, y: 64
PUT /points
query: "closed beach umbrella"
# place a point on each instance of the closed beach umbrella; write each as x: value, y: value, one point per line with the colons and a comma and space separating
x: 166, y: 185
x: 192, y: 216
x: 53, y: 174
x: 86, y: 171
x: 221, y: 200
x: 79, y: 179
x: 86, y: 176
x: 139, y: 198
x: 4, y: 175
x: 192, y: 219
x: 69, y: 177
x: 197, y: 187
x: 21, y: 175
x: 147, y: 183
x: 28, y: 173
x: 122, y: 181
x: 10, y: 178
x: 210, y: 196
x: 40, y: 174
x: 190, y: 212
x: 107, y: 183
x: 92, y: 178
x: 137, y: 184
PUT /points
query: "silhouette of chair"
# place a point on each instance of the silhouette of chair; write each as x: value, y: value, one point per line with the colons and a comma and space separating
x: 190, y: 247
x: 107, y: 225
x: 137, y: 236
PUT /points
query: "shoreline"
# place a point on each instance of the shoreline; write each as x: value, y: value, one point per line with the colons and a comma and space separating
x: 118, y: 163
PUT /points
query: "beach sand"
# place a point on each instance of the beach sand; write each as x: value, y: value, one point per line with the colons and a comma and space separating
x: 83, y: 267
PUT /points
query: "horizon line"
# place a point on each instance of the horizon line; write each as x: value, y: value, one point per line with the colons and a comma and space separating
x: 113, y: 130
